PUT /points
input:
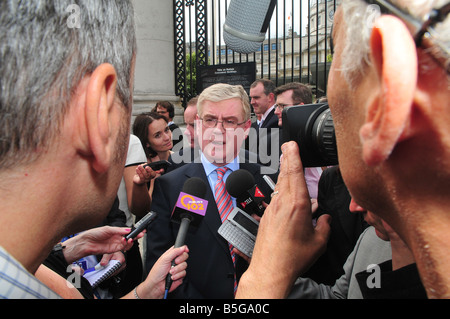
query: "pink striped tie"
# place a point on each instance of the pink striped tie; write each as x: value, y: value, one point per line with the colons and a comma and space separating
x: 225, y: 206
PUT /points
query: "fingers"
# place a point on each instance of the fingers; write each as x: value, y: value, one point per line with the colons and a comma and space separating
x: 105, y: 259
x: 292, y: 168
x: 147, y: 173
x: 179, y: 271
x: 323, y: 226
x: 176, y: 254
x: 291, y: 185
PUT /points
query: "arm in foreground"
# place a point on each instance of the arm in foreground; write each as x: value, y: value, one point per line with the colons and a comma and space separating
x: 287, y: 243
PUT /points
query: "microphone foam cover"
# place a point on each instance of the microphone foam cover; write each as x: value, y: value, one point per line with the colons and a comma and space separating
x: 239, y: 182
x: 195, y: 186
x: 246, y: 24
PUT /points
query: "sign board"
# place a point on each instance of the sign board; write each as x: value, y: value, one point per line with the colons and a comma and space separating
x: 235, y: 74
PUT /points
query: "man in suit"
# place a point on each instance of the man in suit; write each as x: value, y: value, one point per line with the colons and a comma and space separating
x: 263, y: 102
x: 223, y: 122
x: 266, y: 131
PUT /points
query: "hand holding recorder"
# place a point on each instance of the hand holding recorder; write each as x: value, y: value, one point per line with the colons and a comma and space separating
x: 148, y: 171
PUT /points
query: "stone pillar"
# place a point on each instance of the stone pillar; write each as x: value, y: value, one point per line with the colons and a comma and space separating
x: 155, y: 63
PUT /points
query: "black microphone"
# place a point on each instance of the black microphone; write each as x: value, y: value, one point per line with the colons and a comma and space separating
x: 141, y: 225
x: 246, y: 24
x: 189, y: 210
x: 241, y: 185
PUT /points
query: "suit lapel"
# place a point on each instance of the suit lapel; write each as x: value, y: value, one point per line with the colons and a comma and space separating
x: 267, y: 120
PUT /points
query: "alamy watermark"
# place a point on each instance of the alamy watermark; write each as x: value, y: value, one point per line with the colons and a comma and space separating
x: 374, y: 279
x: 74, y: 19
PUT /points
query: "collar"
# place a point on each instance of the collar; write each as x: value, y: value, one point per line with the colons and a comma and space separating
x: 210, y: 167
x: 267, y: 113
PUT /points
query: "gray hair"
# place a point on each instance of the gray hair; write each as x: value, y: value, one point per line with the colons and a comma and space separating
x: 220, y: 92
x: 359, y: 18
x: 43, y: 58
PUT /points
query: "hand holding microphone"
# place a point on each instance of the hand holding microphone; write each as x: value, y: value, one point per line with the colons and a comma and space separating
x: 141, y: 225
x: 189, y: 210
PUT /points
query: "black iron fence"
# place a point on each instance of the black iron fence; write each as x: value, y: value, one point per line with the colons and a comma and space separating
x: 296, y: 49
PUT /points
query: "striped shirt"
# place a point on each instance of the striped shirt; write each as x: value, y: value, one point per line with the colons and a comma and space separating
x: 17, y: 283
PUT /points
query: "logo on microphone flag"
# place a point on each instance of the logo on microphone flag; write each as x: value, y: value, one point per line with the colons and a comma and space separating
x: 192, y: 203
x: 258, y: 193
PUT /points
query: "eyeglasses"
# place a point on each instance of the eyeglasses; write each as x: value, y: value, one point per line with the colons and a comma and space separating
x: 211, y: 122
x: 281, y: 107
x: 423, y: 32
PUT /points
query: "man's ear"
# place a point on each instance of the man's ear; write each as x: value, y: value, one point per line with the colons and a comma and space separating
x: 394, y: 60
x: 100, y: 99
x: 272, y: 98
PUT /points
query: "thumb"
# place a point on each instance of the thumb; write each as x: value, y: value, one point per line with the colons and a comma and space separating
x: 323, y: 227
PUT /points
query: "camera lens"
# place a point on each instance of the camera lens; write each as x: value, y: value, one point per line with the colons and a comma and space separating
x: 312, y: 127
x: 324, y: 138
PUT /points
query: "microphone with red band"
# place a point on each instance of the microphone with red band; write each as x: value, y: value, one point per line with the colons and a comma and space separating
x: 241, y: 185
x: 189, y: 210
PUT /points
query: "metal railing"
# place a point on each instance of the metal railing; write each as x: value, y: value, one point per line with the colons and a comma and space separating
x: 296, y: 48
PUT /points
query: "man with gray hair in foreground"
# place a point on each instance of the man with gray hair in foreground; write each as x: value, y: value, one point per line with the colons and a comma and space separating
x: 389, y: 96
x: 65, y: 108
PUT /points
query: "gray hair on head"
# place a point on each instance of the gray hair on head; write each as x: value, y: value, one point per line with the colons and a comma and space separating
x: 359, y: 18
x: 220, y: 92
x: 43, y: 59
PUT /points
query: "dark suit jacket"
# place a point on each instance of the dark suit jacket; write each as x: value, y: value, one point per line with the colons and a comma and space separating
x: 267, y: 135
x: 184, y: 156
x: 210, y: 272
x: 346, y: 227
x: 271, y: 121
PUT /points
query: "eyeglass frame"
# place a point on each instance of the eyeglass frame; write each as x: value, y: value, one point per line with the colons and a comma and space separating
x: 216, y: 121
x: 422, y: 31
x: 281, y: 108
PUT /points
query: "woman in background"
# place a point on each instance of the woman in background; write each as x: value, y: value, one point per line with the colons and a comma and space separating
x: 156, y: 137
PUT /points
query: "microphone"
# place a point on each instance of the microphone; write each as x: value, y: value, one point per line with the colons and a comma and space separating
x: 190, y: 207
x: 246, y: 24
x: 189, y: 210
x: 241, y: 185
x: 141, y: 225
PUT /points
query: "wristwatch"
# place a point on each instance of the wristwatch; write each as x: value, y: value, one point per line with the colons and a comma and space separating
x: 58, y: 247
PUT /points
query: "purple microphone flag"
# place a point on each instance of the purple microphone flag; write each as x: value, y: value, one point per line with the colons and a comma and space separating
x: 187, y: 202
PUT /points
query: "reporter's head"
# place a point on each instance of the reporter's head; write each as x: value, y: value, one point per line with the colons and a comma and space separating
x: 379, y: 82
x: 47, y: 48
x: 65, y: 105
x: 388, y: 94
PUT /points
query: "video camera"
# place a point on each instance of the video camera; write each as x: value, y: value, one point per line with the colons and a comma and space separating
x: 312, y: 127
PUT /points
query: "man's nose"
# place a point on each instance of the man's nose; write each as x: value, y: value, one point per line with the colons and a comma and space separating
x: 355, y: 208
